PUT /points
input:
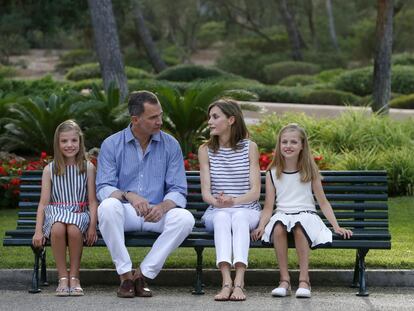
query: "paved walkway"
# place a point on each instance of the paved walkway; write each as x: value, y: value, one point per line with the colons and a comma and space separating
x: 318, y: 111
x: 179, y: 298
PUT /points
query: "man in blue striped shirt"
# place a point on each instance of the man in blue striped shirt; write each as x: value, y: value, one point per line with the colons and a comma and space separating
x: 142, y: 186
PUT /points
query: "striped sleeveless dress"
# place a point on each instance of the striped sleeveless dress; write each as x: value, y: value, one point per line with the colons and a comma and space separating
x: 68, y: 200
x: 230, y: 173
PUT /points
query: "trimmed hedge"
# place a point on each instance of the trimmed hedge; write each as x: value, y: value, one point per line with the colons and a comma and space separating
x: 92, y: 70
x: 403, y: 102
x: 331, y: 97
x: 403, y: 59
x: 277, y: 71
x: 246, y: 63
x: 329, y: 76
x: 188, y: 73
x: 298, y: 80
x: 359, y: 81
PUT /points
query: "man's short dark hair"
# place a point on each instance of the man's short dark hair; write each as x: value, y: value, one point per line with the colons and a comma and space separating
x: 137, y: 100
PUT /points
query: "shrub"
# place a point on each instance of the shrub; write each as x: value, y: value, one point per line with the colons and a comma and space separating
x: 331, y: 97
x: 76, y: 57
x: 298, y: 80
x: 329, y: 76
x: 279, y: 94
x: 246, y: 63
x: 359, y: 81
x: 279, y: 44
x: 92, y: 70
x: 403, y: 59
x: 40, y: 87
x: 277, y: 71
x: 403, y: 102
x: 188, y: 73
x: 326, y: 60
x: 402, y: 79
x: 7, y: 71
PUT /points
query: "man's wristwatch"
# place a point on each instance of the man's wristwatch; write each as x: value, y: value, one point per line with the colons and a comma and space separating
x: 124, y: 194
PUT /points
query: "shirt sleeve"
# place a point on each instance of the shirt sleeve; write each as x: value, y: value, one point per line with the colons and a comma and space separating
x: 106, y: 177
x: 175, y: 181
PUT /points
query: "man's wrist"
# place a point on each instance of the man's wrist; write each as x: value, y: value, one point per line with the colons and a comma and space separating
x: 124, y: 195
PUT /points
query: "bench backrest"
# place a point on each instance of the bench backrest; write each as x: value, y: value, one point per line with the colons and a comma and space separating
x: 359, y: 198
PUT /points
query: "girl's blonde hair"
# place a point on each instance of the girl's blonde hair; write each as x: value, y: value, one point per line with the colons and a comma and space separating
x: 59, y: 161
x: 306, y: 164
x: 238, y: 129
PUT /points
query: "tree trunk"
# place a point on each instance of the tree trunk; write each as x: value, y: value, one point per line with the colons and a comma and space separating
x: 146, y: 38
x: 292, y: 30
x: 107, y: 45
x: 331, y: 23
x: 309, y: 11
x: 382, y: 62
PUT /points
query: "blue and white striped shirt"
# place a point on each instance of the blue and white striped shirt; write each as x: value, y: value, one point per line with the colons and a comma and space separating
x: 156, y: 175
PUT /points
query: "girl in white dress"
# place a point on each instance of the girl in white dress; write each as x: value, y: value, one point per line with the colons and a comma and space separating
x: 230, y: 184
x: 290, y: 179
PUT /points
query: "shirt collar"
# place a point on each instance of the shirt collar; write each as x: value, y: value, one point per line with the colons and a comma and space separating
x: 130, y: 137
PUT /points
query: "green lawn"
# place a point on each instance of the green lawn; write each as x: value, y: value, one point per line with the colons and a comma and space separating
x: 401, y: 256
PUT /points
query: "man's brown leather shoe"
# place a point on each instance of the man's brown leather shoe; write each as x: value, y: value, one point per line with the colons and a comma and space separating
x: 126, y: 289
x: 141, y: 287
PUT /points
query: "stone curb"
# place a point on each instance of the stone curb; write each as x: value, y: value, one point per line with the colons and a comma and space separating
x: 211, y: 277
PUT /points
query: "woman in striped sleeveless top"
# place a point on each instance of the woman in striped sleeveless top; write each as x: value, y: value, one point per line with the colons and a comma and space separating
x: 67, y: 208
x: 230, y: 184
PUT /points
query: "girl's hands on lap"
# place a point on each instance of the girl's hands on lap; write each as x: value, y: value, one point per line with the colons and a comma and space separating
x: 38, y: 240
x: 345, y: 233
x: 257, y: 233
x: 91, y: 236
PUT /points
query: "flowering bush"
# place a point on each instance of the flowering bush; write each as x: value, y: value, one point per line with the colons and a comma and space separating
x: 11, y: 167
x: 191, y: 162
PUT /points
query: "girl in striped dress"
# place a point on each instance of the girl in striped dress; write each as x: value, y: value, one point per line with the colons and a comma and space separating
x: 67, y: 208
x: 230, y: 184
x: 291, y: 178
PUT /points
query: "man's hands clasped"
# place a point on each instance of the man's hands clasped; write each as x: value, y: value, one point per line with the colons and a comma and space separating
x: 143, y: 208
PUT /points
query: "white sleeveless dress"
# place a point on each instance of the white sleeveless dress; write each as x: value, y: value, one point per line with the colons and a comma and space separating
x: 295, y: 205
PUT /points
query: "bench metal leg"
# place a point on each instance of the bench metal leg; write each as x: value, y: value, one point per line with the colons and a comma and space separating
x: 198, y: 285
x: 43, y: 273
x: 361, y: 265
x: 35, y: 276
x: 355, y: 281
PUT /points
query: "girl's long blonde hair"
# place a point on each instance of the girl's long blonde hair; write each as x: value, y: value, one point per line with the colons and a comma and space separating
x: 306, y: 164
x: 59, y: 161
x: 238, y: 129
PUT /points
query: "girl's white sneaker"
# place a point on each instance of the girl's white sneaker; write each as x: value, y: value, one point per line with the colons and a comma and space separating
x: 281, y: 291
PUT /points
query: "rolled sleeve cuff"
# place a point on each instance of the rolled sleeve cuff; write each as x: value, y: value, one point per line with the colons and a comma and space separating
x: 177, y: 198
x: 105, y: 192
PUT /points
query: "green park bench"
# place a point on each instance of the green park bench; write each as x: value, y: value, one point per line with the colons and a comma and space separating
x: 359, y: 199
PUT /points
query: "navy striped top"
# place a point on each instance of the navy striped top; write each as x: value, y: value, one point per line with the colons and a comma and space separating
x: 230, y: 172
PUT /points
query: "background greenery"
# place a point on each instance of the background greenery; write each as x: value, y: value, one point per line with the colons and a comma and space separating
x: 401, y: 255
